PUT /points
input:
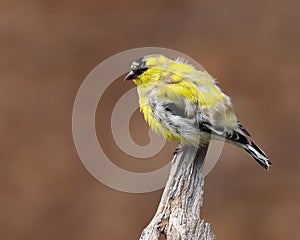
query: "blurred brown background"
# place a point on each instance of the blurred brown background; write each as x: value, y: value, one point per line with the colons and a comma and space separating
x: 46, y: 50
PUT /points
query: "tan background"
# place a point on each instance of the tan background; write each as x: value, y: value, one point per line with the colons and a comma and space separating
x: 46, y: 50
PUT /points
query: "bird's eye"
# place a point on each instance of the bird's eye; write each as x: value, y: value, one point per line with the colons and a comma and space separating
x: 139, y: 71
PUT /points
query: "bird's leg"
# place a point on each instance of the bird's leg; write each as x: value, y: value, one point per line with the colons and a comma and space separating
x: 177, y: 150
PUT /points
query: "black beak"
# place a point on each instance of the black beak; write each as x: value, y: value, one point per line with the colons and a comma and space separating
x: 130, y: 76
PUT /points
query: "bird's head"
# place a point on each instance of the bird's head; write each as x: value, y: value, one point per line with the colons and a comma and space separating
x: 148, y: 69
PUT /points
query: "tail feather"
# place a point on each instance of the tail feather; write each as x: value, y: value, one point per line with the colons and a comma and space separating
x: 258, y: 155
x: 240, y: 138
x: 254, y: 151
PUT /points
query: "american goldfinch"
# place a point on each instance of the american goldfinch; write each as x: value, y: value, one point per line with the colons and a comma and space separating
x: 185, y: 104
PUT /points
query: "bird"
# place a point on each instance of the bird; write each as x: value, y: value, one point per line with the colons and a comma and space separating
x: 184, y: 104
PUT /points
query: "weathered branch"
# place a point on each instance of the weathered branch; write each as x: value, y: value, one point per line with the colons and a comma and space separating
x: 178, y: 214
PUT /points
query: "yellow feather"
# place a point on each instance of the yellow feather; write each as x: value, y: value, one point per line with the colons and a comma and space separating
x: 175, y: 80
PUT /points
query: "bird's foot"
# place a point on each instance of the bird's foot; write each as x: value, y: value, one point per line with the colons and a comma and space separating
x: 176, y: 150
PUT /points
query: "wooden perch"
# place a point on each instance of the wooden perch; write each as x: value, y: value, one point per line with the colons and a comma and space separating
x: 178, y: 214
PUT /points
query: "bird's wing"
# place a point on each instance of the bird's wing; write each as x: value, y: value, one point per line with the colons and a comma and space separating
x: 181, y: 108
x: 241, y: 127
x: 188, y: 113
x: 203, y: 100
x: 236, y: 136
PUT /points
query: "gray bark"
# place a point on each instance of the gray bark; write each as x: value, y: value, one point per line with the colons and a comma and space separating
x: 178, y: 214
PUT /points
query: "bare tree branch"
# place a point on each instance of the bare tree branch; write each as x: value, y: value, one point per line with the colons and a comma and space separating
x: 178, y: 214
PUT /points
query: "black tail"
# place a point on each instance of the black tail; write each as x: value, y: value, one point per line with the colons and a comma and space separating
x: 242, y: 140
x: 258, y: 155
x: 251, y: 148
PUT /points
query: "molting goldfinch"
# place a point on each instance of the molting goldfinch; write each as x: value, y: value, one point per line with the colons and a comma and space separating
x: 184, y: 104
